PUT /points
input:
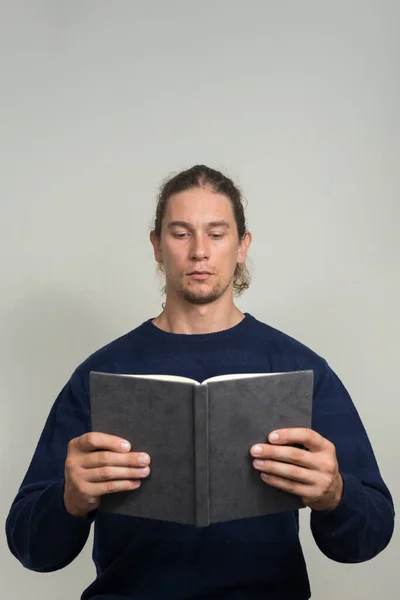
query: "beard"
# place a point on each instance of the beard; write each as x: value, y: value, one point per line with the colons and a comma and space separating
x: 203, y: 295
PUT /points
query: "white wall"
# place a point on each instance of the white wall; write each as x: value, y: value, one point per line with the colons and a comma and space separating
x: 100, y: 100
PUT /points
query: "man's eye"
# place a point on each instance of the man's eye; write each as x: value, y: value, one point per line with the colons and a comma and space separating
x: 217, y: 236
x: 179, y: 236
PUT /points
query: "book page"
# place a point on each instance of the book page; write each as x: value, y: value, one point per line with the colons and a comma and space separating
x: 178, y: 378
x: 236, y: 376
x: 163, y: 378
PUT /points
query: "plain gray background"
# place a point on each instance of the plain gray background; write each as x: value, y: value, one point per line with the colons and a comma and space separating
x: 299, y: 102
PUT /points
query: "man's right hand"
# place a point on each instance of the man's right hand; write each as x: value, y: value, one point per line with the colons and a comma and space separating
x: 98, y: 464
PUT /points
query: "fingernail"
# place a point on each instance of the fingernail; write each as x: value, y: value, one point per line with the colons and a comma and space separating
x: 144, y: 459
x: 264, y: 476
x: 256, y: 450
x: 274, y: 436
x: 125, y: 446
x: 258, y: 463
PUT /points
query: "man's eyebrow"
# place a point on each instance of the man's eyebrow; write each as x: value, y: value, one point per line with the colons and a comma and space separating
x: 220, y: 223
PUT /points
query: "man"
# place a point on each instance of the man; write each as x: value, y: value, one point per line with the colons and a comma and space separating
x: 200, y: 240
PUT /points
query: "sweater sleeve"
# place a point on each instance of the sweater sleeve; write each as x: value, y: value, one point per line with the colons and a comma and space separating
x: 40, y: 532
x: 361, y: 526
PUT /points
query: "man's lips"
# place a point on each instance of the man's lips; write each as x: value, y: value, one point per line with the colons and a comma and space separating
x: 199, y: 274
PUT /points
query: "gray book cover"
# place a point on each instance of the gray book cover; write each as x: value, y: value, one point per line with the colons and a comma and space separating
x: 199, y: 437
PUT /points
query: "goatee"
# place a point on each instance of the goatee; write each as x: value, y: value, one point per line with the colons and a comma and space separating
x: 197, y: 297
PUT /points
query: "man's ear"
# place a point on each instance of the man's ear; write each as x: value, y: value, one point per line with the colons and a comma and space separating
x: 244, y: 246
x: 156, y: 243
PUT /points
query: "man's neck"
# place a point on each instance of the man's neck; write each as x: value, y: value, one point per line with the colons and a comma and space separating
x: 197, y: 319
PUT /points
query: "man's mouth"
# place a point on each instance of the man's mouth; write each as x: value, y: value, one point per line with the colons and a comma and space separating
x: 200, y: 274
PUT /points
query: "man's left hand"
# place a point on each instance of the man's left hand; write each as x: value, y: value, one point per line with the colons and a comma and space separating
x: 313, y: 474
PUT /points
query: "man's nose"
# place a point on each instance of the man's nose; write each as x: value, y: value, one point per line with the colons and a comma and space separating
x: 200, y: 248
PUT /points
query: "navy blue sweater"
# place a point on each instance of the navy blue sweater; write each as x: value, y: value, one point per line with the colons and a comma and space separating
x: 258, y: 558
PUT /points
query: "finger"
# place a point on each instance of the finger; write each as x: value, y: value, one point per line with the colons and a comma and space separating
x: 116, y: 473
x: 286, y: 485
x: 285, y: 453
x: 111, y: 487
x: 95, y: 440
x: 94, y: 460
x: 312, y: 440
x: 286, y: 471
x: 94, y: 490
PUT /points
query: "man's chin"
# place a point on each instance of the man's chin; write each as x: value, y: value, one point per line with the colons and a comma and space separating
x: 203, y: 293
x: 196, y: 298
x: 201, y: 296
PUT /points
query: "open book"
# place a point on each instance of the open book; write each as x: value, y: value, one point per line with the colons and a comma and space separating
x: 199, y: 436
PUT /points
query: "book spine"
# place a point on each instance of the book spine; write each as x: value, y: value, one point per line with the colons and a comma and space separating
x: 201, y: 475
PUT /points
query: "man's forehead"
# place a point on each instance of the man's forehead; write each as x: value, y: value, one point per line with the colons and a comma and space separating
x: 199, y: 204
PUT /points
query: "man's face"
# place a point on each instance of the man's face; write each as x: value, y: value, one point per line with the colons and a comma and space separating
x: 199, y: 246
